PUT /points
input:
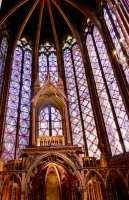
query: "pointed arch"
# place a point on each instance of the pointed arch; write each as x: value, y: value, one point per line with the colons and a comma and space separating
x: 47, y: 62
x: 95, y: 187
x: 121, y: 48
x: 81, y: 115
x: 12, y: 187
x: 62, y: 157
x: 50, y: 122
x: 117, y: 188
x: 51, y: 95
x: 4, y: 44
x: 12, y: 176
x: 17, y: 122
x: 112, y: 106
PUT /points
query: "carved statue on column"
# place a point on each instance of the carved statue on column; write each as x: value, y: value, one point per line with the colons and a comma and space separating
x: 103, y: 156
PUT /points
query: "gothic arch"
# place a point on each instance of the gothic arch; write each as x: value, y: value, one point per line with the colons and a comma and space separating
x: 53, y: 95
x: 96, y: 174
x: 117, y: 188
x: 93, y: 177
x: 118, y: 175
x: 9, y: 177
x: 11, y: 187
x: 62, y: 157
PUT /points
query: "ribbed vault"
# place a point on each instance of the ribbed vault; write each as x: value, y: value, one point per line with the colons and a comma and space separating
x: 45, y: 19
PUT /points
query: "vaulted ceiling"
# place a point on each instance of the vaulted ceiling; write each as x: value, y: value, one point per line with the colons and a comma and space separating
x: 46, y: 19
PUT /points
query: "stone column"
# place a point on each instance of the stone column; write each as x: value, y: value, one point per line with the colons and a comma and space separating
x: 67, y: 124
x: 83, y: 194
x: 114, y: 10
x: 33, y: 124
x: 0, y: 196
x: 23, y: 196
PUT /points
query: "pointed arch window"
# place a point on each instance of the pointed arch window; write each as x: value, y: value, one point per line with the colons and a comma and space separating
x: 81, y: 115
x: 17, y: 122
x: 118, y: 30
x: 123, y: 5
x: 121, y: 48
x: 94, y: 188
x: 3, y: 52
x: 50, y: 122
x: 47, y: 63
x: 113, y: 109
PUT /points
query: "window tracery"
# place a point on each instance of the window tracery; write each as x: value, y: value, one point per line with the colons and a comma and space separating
x: 50, y: 122
x: 48, y: 63
x: 17, y: 122
x: 121, y: 49
x: 80, y: 108
x: 94, y: 190
x: 111, y: 103
x: 124, y: 7
x: 3, y: 52
x: 11, y: 191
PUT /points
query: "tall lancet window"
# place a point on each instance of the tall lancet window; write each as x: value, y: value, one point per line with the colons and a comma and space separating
x: 3, y: 52
x: 113, y: 109
x: 119, y: 32
x: 17, y: 121
x: 81, y: 114
x: 121, y: 49
x: 47, y: 63
x: 123, y: 6
x: 50, y: 122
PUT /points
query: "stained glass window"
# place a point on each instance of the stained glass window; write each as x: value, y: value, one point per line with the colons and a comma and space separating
x: 117, y: 36
x: 124, y: 7
x: 17, y: 122
x: 122, y: 39
x: 80, y: 108
x: 3, y: 53
x: 50, y: 122
x: 108, y: 92
x: 47, y: 63
x: 118, y: 104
